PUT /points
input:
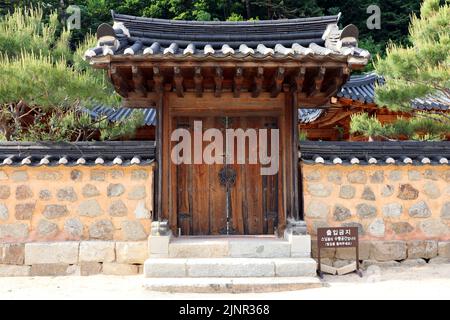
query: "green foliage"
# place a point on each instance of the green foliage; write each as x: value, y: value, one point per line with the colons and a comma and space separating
x: 43, y: 84
x: 302, y: 135
x: 423, y: 126
x: 422, y: 68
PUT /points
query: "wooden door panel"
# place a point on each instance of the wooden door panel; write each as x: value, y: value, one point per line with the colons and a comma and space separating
x: 202, y: 199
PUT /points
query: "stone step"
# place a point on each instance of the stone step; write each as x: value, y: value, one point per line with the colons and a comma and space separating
x: 231, y: 285
x: 258, y: 247
x: 229, y: 267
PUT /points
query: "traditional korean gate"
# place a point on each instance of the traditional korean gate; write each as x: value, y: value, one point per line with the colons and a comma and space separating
x: 229, y: 198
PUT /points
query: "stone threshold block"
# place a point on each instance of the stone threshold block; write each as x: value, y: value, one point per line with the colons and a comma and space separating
x: 51, y: 252
x: 54, y: 269
x: 97, y: 251
x: 132, y: 252
x: 232, y: 285
x: 158, y: 245
x: 8, y: 270
x: 119, y: 269
x: 229, y: 267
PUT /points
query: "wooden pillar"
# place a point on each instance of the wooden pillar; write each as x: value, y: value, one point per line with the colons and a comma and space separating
x: 295, y: 159
x: 158, y: 177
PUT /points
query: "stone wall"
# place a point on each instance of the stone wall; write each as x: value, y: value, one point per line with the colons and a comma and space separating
x: 65, y: 203
x: 72, y: 258
x: 392, y: 202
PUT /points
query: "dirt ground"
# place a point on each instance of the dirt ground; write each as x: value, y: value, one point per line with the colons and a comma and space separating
x: 424, y: 282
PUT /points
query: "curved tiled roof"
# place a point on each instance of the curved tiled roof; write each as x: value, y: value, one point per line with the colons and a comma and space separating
x: 317, y: 36
x: 362, y: 88
x: 122, y: 113
x: 309, y: 115
x: 304, y: 115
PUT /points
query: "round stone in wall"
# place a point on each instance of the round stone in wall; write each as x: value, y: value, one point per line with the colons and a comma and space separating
x: 377, y: 177
x: 89, y: 208
x: 76, y: 175
x: 115, y: 190
x: 139, y: 175
x: 24, y: 211
x: 53, y: 211
x: 47, y: 228
x: 313, y: 175
x: 73, y: 227
x: 392, y: 210
x: 445, y: 211
x: 5, y: 192
x: 420, y: 210
x: 341, y: 213
x: 317, y: 209
x: 19, y: 176
x: 137, y: 193
x: 66, y: 194
x: 431, y: 174
x: 14, y: 231
x: 23, y: 192
x: 434, y: 228
x: 347, y: 192
x: 358, y: 176
x: 335, y: 176
x: 414, y: 175
x: 319, y: 189
x: 432, y: 190
x: 45, y: 195
x: 377, y: 228
x: 366, y: 211
x: 402, y: 227
x: 141, y: 211
x: 117, y: 209
x: 101, y: 230
x: 89, y: 191
x: 358, y: 225
x: 395, y: 175
x: 407, y: 192
x: 133, y: 230
x: 4, y: 213
x: 387, y: 191
x: 368, y: 194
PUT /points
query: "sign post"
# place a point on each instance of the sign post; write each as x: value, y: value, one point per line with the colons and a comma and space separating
x: 337, y: 237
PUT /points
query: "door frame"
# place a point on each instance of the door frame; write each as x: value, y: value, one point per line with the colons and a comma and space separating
x: 282, y: 106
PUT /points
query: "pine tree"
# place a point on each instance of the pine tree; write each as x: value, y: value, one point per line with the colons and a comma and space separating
x: 415, y: 71
x: 44, y: 86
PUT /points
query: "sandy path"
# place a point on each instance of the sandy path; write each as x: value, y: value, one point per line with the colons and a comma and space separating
x: 426, y: 282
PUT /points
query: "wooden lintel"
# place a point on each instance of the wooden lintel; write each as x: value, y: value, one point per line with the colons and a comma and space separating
x: 258, y: 82
x: 198, y: 80
x: 237, y: 83
x: 139, y: 81
x: 118, y: 81
x: 218, y: 81
x: 318, y: 80
x: 278, y: 82
x: 178, y: 79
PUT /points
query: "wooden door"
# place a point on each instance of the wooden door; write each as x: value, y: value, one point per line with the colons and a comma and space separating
x: 228, y: 198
